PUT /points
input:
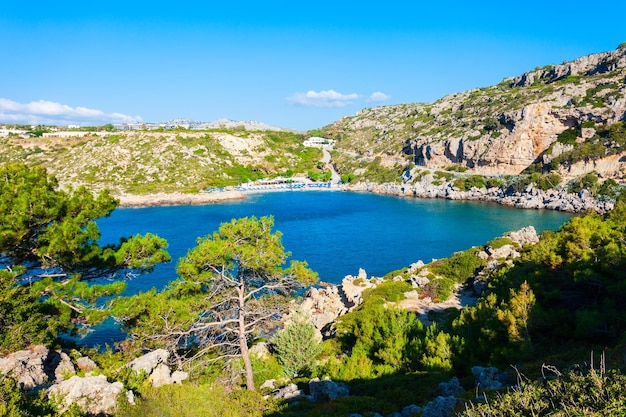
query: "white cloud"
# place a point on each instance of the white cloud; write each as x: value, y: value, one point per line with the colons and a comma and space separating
x: 52, y: 113
x: 325, y: 98
x: 378, y: 97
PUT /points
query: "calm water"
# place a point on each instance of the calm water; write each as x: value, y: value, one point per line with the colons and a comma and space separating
x: 335, y: 232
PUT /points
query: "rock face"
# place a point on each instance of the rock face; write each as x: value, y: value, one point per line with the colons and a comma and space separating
x: 325, y: 389
x: 594, y: 64
x: 94, y: 395
x: 30, y: 368
x: 154, y: 364
x: 498, y: 130
x: 489, y: 378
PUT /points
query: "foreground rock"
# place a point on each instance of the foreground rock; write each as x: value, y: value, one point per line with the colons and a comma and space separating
x: 29, y: 367
x: 154, y: 365
x: 93, y: 395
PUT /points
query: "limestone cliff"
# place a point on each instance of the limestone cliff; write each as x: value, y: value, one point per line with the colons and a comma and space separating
x: 495, y: 130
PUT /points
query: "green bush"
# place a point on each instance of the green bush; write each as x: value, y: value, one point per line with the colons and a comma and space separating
x: 575, y: 394
x: 568, y: 136
x: 297, y: 348
x: 586, y: 182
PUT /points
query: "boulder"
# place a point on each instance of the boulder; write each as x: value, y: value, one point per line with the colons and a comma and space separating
x: 440, y: 407
x: 85, y: 364
x: 410, y: 410
x: 93, y: 395
x: 290, y: 392
x: 154, y: 364
x: 489, y: 378
x: 160, y: 375
x: 64, y: 368
x: 27, y: 367
x: 326, y: 389
x: 451, y: 388
x: 149, y: 361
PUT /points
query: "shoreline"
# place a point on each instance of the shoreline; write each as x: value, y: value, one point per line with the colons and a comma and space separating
x: 531, y: 199
x: 178, y: 199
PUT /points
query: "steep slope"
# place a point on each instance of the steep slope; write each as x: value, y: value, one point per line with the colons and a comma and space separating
x: 495, y: 130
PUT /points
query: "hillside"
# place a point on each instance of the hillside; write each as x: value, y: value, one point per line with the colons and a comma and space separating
x: 567, y: 119
x: 148, y: 162
x: 541, y: 115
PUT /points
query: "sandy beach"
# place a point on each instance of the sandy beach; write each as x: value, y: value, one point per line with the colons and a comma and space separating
x: 178, y: 199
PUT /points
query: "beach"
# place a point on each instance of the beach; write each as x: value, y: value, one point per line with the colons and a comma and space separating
x: 174, y: 199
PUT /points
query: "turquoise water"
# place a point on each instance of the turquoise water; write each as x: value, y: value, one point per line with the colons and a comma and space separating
x: 335, y: 232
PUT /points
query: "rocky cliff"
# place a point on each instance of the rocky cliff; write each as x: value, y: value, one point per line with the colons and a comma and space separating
x: 495, y: 130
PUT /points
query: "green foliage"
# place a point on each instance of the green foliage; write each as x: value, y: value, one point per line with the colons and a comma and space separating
x: 467, y: 183
x: 499, y: 242
x: 608, y: 140
x: 575, y: 273
x: 297, y: 348
x: 448, y: 176
x: 233, y: 285
x: 455, y: 269
x: 24, y: 319
x: 542, y: 182
x: 568, y: 136
x: 383, y: 340
x: 194, y: 401
x: 586, y: 182
x: 591, y: 393
x: 15, y: 403
x: 44, y: 228
x: 392, y: 291
x: 347, y: 178
x: 609, y: 190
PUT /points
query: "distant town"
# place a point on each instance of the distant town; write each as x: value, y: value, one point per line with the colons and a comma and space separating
x: 72, y: 130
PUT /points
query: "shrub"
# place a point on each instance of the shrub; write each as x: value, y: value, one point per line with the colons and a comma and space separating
x: 587, y: 181
x: 568, y: 136
x: 297, y: 348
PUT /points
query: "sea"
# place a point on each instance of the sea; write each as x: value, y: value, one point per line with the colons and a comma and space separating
x: 336, y: 232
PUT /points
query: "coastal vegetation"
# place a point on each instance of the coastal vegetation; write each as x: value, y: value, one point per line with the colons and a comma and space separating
x: 548, y: 311
x: 555, y: 303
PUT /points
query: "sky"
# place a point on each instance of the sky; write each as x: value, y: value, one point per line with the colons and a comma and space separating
x: 298, y: 65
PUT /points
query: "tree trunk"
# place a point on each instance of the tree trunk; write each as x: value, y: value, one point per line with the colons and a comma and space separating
x: 243, y: 341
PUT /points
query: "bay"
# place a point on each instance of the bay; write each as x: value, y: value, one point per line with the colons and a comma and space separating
x: 335, y: 232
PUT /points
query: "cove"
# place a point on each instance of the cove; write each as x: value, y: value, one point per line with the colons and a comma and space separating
x: 335, y: 232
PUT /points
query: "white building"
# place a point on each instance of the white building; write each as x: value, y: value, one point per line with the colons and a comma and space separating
x: 318, y: 142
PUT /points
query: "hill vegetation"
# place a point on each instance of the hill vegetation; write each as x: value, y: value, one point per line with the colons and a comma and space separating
x: 150, y: 162
x: 530, y: 120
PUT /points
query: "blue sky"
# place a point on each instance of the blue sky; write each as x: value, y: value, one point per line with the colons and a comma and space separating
x: 300, y: 65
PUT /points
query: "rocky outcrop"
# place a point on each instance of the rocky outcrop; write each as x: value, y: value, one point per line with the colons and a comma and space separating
x: 489, y: 378
x: 324, y: 305
x: 29, y: 367
x: 440, y: 407
x: 154, y: 365
x: 493, y: 130
x: 93, y: 395
x: 594, y: 64
x: 325, y: 389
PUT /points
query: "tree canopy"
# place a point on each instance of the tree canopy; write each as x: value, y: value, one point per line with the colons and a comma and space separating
x: 233, y: 285
x: 49, y: 252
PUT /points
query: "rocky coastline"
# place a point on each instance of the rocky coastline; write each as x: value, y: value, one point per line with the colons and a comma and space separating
x: 531, y: 198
